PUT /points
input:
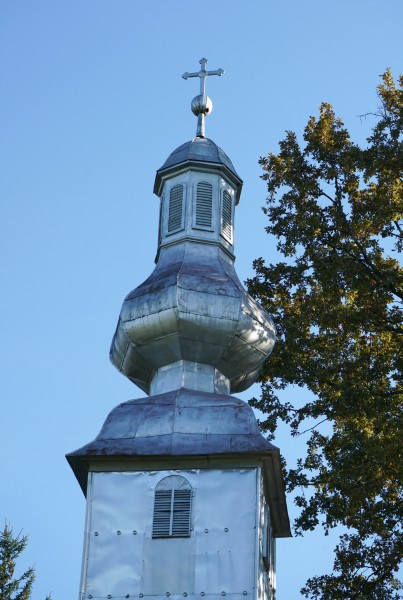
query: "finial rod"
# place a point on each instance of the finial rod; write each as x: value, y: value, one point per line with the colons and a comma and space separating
x: 202, y: 104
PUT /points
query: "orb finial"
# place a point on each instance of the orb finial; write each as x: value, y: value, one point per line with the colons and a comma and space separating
x: 202, y: 104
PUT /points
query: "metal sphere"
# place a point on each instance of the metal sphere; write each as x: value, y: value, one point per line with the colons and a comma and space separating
x: 202, y: 105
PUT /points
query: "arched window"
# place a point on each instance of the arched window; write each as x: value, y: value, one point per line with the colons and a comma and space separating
x: 175, y: 209
x: 204, y: 205
x: 172, y: 504
x: 226, y: 216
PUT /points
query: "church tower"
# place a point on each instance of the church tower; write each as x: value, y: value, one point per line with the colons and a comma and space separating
x: 185, y: 497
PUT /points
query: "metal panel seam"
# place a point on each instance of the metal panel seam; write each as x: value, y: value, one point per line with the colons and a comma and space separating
x: 125, y: 354
x: 86, y: 541
x: 257, y: 520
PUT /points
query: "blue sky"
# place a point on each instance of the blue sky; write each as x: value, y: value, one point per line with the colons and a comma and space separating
x: 92, y: 103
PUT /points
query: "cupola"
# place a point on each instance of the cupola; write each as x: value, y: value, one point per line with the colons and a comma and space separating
x: 199, y: 188
x: 191, y: 322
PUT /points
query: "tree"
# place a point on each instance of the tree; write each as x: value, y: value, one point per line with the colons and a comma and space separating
x: 12, y: 588
x: 336, y: 210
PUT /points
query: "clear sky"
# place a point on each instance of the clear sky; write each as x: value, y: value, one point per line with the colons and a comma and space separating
x: 92, y: 102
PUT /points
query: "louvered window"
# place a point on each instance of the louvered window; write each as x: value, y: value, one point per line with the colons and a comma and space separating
x: 226, y: 216
x: 172, y: 507
x: 204, y: 205
x: 175, y: 209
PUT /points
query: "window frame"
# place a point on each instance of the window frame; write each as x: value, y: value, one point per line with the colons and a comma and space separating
x: 172, y: 508
x: 169, y: 198
x: 196, y: 213
x: 227, y: 238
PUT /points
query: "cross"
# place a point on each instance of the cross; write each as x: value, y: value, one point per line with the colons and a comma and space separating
x: 203, y: 73
x: 202, y: 105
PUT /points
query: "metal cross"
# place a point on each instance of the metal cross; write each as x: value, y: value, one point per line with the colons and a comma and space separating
x: 203, y: 73
x: 202, y: 105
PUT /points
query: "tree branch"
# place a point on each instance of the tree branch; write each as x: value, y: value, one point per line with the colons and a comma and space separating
x: 313, y: 427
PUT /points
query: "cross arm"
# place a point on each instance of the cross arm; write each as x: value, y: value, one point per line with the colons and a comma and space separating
x: 218, y: 72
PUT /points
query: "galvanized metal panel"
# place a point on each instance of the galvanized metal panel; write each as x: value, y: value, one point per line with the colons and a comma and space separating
x: 192, y: 308
x: 114, y: 565
x: 190, y: 375
x: 196, y: 415
x: 197, y: 150
x: 169, y: 566
x: 115, y: 536
x: 225, y: 532
x: 139, y: 327
x: 124, y: 559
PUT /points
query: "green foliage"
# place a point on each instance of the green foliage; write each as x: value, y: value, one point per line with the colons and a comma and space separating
x: 336, y: 210
x: 12, y: 588
x: 10, y: 548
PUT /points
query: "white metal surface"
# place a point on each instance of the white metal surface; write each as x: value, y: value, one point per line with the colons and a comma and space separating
x: 122, y: 560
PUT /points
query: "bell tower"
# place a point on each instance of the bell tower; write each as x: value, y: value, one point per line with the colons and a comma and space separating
x: 185, y: 497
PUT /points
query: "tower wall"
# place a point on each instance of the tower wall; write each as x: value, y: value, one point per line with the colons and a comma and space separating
x: 222, y: 555
x: 266, y: 581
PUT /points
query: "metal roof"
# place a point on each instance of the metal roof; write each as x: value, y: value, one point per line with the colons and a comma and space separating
x: 179, y: 422
x: 201, y: 151
x: 192, y: 307
x: 184, y: 423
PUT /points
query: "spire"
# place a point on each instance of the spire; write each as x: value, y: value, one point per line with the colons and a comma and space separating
x: 188, y: 336
x: 191, y: 324
x: 202, y: 104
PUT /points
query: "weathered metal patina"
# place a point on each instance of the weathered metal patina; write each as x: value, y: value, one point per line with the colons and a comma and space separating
x: 185, y: 424
x: 199, y: 153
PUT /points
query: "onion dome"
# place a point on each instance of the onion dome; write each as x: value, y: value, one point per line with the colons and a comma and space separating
x: 192, y: 309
